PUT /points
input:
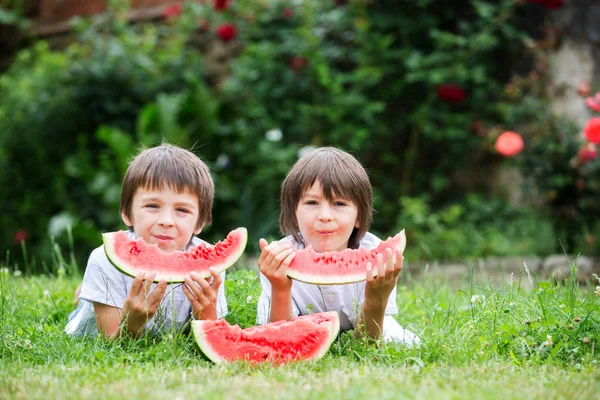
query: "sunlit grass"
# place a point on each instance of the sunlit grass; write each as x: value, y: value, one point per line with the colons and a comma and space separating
x: 515, y: 339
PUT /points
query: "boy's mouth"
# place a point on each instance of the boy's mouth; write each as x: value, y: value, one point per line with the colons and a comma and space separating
x: 162, y: 238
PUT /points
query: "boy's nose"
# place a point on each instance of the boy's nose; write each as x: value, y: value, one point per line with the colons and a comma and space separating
x: 166, y: 219
x: 325, y: 214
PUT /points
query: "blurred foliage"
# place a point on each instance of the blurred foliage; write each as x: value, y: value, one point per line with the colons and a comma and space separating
x: 475, y: 227
x: 371, y: 77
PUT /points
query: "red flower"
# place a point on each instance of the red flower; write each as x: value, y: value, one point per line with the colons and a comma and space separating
x: 226, y: 32
x: 221, y: 4
x: 592, y: 130
x: 287, y: 13
x: 579, y: 184
x: 297, y: 63
x: 478, y: 128
x: 20, y: 236
x: 451, y: 93
x: 588, y: 153
x: 172, y: 11
x: 548, y: 3
x: 509, y: 144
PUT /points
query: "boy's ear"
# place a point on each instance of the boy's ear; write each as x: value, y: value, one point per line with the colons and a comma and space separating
x: 198, y: 230
x: 126, y: 220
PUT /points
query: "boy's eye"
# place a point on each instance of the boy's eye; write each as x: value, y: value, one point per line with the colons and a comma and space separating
x: 340, y: 203
x: 310, y: 202
x: 183, y: 210
x: 152, y: 205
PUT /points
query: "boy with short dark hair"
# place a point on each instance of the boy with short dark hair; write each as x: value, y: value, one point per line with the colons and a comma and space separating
x: 166, y: 199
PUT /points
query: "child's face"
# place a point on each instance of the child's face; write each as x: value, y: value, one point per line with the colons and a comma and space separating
x: 164, y: 217
x: 325, y: 226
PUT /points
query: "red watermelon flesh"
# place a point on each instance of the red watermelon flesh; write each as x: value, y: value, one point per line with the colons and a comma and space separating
x: 302, y: 338
x: 134, y: 256
x: 338, y: 267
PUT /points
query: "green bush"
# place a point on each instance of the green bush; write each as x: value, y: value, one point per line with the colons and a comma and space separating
x: 417, y: 91
x: 476, y: 227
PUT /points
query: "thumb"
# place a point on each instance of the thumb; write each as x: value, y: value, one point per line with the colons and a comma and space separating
x: 262, y: 243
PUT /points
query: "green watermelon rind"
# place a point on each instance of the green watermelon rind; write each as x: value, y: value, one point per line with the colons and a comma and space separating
x: 339, y: 279
x: 207, y: 349
x: 227, y: 262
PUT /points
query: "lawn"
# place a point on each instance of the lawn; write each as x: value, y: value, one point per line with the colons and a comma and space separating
x: 513, y: 338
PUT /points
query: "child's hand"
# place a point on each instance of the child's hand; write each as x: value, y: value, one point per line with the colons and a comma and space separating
x: 388, y: 268
x: 141, y: 304
x: 273, y: 262
x: 202, y: 294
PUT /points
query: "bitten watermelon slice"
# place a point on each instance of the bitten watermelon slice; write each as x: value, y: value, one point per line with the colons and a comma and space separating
x: 134, y: 256
x: 302, y: 338
x: 338, y: 267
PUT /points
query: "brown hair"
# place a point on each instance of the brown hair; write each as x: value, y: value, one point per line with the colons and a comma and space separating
x: 179, y: 169
x: 340, y: 174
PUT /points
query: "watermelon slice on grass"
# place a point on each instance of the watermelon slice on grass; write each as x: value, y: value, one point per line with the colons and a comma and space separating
x: 301, y: 338
x: 338, y: 267
x: 134, y: 256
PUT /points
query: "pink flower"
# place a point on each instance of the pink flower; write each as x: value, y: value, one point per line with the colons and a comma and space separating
x: 592, y: 130
x: 20, y: 236
x: 287, y: 13
x: 172, y: 11
x: 226, y: 32
x: 588, y: 153
x: 509, y: 144
x: 592, y: 103
x: 221, y: 4
x: 297, y: 63
x: 451, y: 93
x: 583, y: 89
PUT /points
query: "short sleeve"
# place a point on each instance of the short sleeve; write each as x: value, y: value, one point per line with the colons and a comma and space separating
x: 103, y: 283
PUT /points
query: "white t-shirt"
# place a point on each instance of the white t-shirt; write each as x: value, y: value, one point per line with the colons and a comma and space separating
x: 103, y: 283
x: 308, y: 298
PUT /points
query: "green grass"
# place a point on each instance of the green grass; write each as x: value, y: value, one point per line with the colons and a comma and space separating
x: 518, y: 339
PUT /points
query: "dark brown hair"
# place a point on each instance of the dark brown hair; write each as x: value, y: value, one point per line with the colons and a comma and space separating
x: 340, y: 174
x: 179, y: 169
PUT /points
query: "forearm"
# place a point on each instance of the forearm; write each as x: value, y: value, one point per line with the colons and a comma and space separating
x: 370, y: 322
x: 114, y: 323
x: 281, y: 305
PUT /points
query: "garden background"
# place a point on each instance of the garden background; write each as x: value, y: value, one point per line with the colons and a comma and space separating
x: 418, y: 90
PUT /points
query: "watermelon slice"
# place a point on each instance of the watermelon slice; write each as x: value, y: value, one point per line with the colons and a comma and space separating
x: 302, y: 338
x: 134, y: 256
x: 338, y: 267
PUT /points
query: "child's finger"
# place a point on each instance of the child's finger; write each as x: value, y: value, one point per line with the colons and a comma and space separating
x: 148, y: 281
x: 217, y: 279
x: 262, y: 243
x: 199, y: 286
x: 369, y: 272
x: 192, y: 298
x: 136, y: 285
x: 380, y: 266
x: 399, y: 261
x: 389, y: 257
x: 157, y: 295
